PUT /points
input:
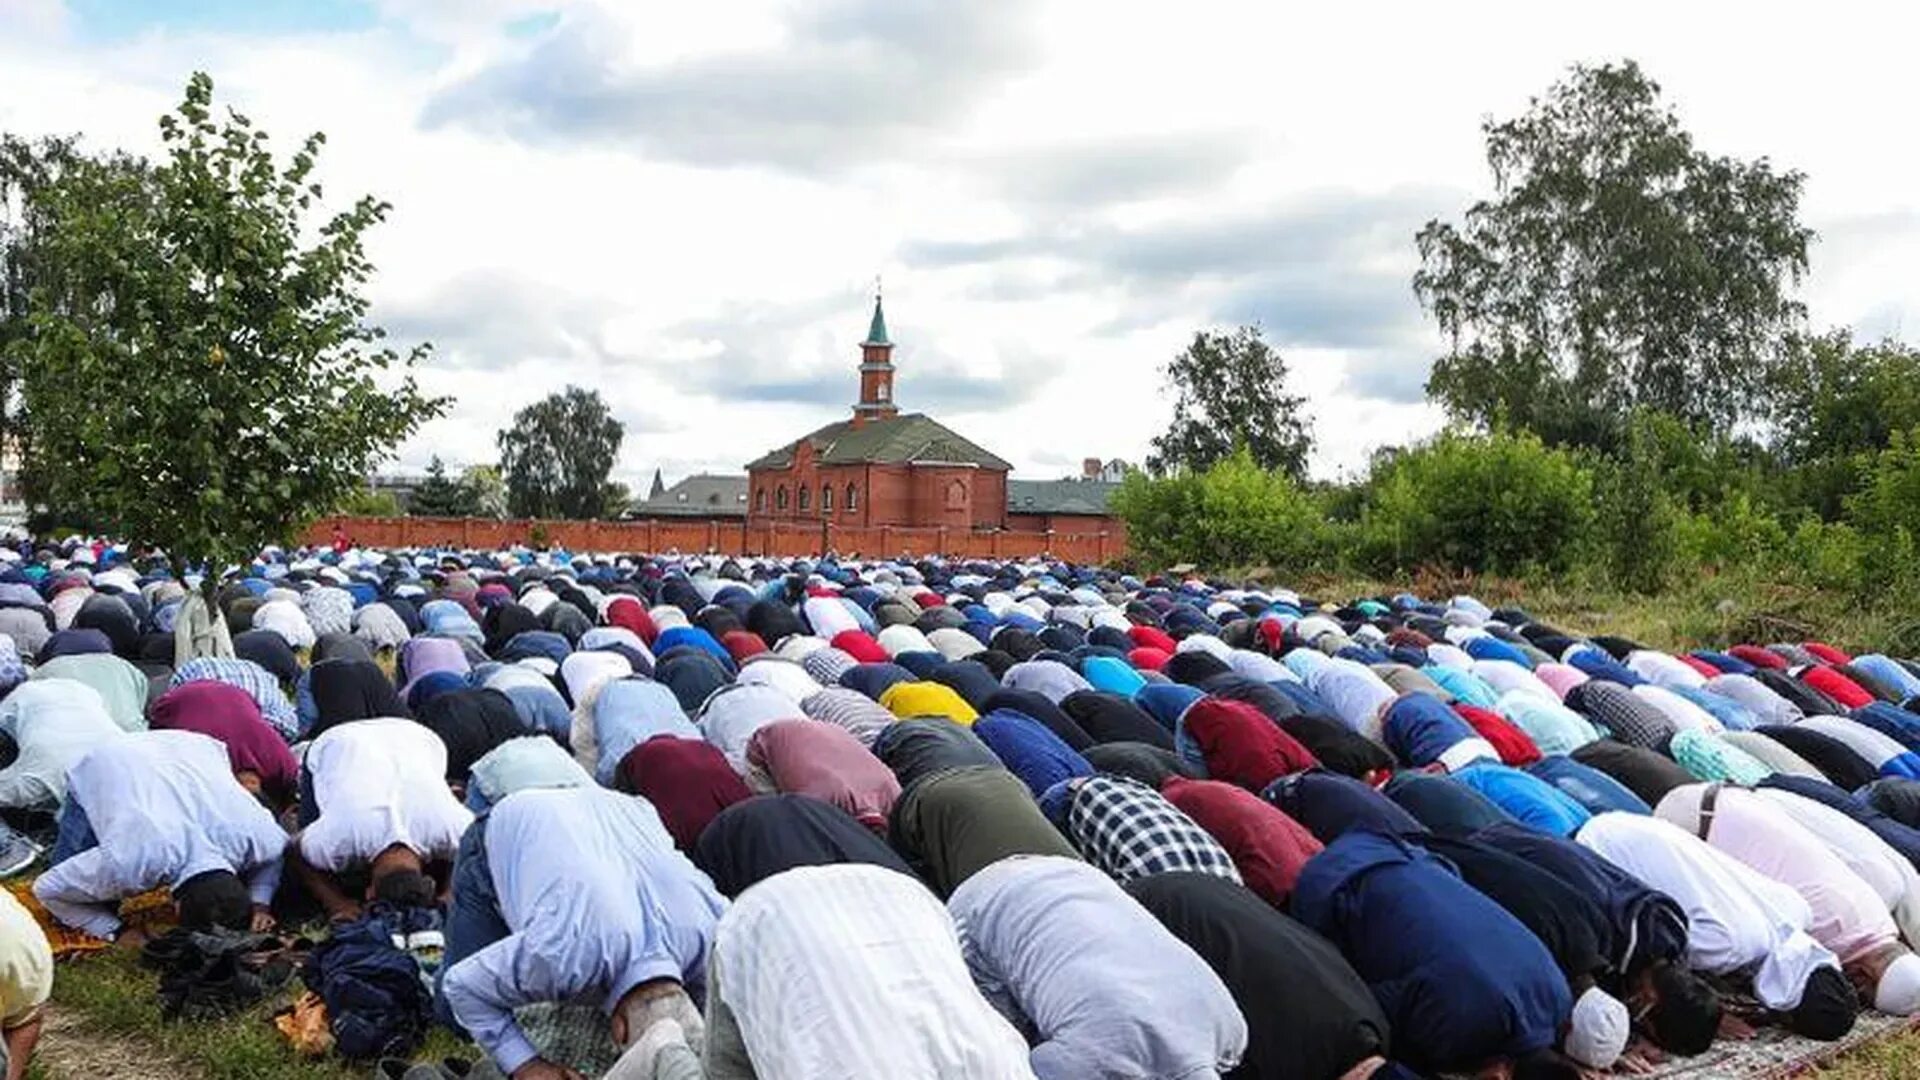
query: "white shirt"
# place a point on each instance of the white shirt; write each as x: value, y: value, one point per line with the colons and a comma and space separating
x: 731, y: 716
x: 378, y: 783
x: 55, y: 722
x: 1505, y: 676
x: 1767, y: 706
x: 165, y: 808
x: 855, y: 972
x: 1735, y: 916
x: 1663, y: 670
x: 1259, y: 667
x: 1354, y: 693
x: 786, y: 676
x: 903, y: 638
x: 1885, y: 870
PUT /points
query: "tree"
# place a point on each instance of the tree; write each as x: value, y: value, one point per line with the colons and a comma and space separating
x: 1617, y: 267
x: 1231, y: 391
x: 489, y: 490
x: 615, y: 499
x: 26, y: 169
x: 556, y: 456
x: 244, y: 390
x: 439, y: 495
x: 367, y: 502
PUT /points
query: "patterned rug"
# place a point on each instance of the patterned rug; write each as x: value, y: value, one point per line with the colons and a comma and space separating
x: 1775, y: 1054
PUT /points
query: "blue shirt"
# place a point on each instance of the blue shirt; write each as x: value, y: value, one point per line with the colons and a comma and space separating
x: 596, y: 901
x: 1419, y: 728
x: 1530, y: 799
x: 1591, y: 788
x: 1459, y: 978
x: 1024, y: 745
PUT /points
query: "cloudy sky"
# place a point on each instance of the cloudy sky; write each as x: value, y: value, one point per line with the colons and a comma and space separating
x: 685, y: 205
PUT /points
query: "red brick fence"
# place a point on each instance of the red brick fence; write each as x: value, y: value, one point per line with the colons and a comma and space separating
x: 730, y: 537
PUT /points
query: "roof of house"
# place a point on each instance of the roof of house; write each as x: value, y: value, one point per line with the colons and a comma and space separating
x: 699, y: 495
x: 906, y: 439
x: 1059, y: 496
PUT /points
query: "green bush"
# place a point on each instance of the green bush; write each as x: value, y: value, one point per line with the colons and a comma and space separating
x: 1234, y: 514
x: 1469, y: 502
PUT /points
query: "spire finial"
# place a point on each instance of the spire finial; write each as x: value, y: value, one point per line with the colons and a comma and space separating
x: 877, y: 330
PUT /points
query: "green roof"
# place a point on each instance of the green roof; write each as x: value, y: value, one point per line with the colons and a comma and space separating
x: 877, y: 330
x: 699, y: 495
x: 1059, y: 496
x: 907, y: 439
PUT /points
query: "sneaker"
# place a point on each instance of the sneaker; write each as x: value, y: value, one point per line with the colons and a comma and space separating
x: 16, y: 852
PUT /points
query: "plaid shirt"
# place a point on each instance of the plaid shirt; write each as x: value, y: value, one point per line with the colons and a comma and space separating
x: 1131, y: 831
x: 1630, y: 718
x: 257, y: 681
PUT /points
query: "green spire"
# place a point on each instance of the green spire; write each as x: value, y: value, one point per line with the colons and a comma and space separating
x: 877, y: 330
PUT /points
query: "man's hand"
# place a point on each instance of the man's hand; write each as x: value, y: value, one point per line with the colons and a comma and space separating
x: 131, y: 938
x: 542, y: 1069
x: 262, y: 919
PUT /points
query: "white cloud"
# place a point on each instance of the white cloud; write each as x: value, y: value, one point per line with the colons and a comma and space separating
x: 684, y: 206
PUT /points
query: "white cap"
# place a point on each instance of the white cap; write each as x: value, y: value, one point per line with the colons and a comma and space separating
x: 1899, y: 989
x: 1598, y: 1033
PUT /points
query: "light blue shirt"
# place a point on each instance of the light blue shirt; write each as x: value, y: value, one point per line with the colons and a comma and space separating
x: 627, y: 713
x: 166, y: 808
x: 1102, y: 987
x: 596, y: 901
x: 1465, y: 686
x: 1889, y: 671
x: 1553, y: 727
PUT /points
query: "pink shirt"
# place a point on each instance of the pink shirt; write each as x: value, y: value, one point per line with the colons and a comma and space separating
x: 1560, y: 678
x: 825, y: 762
x: 1849, y: 918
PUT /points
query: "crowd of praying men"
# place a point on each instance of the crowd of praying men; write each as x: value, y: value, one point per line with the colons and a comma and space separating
x: 927, y: 818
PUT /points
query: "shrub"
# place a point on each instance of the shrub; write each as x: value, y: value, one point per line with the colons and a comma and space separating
x: 1500, y: 502
x: 1234, y: 514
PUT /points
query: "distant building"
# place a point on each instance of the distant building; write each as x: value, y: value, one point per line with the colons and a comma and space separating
x: 880, y: 466
x: 703, y: 495
x: 399, y: 485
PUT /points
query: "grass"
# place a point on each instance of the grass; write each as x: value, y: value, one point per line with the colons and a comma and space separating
x: 1894, y: 1057
x: 108, y: 1007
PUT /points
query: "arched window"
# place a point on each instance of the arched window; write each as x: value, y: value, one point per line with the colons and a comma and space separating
x: 806, y: 498
x: 780, y: 497
x: 760, y: 501
x: 853, y: 498
x: 826, y: 498
x: 956, y: 495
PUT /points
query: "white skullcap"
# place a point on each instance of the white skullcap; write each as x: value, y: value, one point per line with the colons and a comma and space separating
x: 1598, y: 1033
x: 1899, y: 989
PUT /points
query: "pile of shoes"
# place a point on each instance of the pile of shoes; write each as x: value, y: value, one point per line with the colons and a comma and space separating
x: 207, y: 974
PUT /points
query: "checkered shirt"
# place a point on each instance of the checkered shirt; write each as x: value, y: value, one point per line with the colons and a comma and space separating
x: 1630, y: 718
x: 1130, y: 831
x: 257, y: 681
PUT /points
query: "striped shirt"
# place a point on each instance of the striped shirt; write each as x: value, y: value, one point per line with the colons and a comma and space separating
x: 1131, y: 831
x: 855, y: 971
x: 861, y: 716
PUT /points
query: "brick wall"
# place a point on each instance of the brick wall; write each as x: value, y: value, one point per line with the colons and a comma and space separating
x: 1094, y: 540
